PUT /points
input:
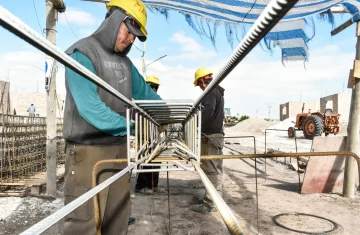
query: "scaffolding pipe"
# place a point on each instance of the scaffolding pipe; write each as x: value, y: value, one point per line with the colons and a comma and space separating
x: 20, y: 29
x: 271, y: 15
x: 230, y: 220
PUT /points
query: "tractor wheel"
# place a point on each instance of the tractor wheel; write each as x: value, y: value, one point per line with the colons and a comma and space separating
x: 291, y: 132
x: 313, y: 126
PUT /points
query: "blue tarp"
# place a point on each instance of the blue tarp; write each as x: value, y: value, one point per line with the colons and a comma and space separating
x: 204, y: 16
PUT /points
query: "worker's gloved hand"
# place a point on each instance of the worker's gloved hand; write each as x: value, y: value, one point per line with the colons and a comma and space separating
x: 162, y: 128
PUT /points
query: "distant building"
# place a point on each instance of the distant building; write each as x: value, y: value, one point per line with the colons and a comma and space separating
x: 339, y: 103
x: 291, y: 109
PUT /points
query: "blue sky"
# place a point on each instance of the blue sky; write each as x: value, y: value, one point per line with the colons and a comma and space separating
x: 259, y: 81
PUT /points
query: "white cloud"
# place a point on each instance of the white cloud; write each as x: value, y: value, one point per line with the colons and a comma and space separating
x: 255, y: 83
x: 190, y: 48
x: 77, y: 17
x: 161, y: 48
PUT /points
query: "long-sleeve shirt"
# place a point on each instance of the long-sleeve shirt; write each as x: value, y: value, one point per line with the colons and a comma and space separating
x: 212, y: 115
x: 92, y: 108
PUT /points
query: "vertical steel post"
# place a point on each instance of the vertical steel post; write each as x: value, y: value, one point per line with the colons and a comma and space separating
x: 128, y: 134
x: 199, y: 135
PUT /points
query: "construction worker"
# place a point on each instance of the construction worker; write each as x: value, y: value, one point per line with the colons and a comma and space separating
x: 31, y: 110
x: 144, y: 182
x: 153, y: 81
x: 94, y: 122
x: 212, y: 140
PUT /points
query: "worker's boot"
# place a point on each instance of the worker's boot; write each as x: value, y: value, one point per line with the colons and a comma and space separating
x: 145, y: 190
x: 203, y: 208
x: 131, y: 220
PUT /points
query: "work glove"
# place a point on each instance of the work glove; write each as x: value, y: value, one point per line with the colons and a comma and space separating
x: 162, y: 128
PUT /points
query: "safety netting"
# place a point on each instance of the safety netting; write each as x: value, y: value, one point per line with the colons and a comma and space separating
x: 291, y: 35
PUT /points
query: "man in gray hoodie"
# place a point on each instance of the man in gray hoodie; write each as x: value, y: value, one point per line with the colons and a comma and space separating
x: 94, y: 122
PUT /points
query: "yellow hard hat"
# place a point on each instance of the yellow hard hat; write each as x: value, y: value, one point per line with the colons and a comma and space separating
x: 153, y: 79
x: 134, y: 8
x: 201, y: 72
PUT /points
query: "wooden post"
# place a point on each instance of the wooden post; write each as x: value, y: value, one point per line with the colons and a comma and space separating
x: 51, y: 150
x: 353, y: 130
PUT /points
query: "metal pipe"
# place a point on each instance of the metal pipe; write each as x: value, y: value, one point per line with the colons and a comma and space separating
x: 187, y: 151
x: 20, y: 29
x: 158, y: 170
x: 136, y: 134
x: 230, y: 220
x: 141, y: 132
x: 193, y: 131
x: 152, y: 155
x: 170, y: 102
x: 199, y: 134
x: 128, y: 134
x: 49, y: 221
x: 141, y: 150
x: 270, y: 16
x: 183, y: 166
x: 157, y: 164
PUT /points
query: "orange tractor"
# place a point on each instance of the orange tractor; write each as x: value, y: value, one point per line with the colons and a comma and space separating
x: 315, y: 124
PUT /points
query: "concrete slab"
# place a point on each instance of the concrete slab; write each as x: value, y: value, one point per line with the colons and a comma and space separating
x: 325, y: 174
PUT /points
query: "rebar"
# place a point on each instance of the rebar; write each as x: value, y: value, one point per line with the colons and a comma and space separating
x: 23, y: 146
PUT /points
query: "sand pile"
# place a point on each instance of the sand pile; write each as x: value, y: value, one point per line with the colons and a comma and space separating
x: 252, y: 125
x: 284, y: 125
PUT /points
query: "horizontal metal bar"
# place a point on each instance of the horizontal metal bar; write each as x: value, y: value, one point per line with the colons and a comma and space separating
x: 167, y: 108
x: 19, y: 28
x: 164, y: 101
x: 156, y: 164
x: 159, y: 170
x: 166, y: 105
x: 167, y: 111
x: 158, y: 116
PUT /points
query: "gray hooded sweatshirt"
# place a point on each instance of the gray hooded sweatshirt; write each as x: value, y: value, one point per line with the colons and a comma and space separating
x: 114, y: 68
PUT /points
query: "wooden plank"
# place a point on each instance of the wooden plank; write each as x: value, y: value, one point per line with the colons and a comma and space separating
x: 351, y: 81
x: 36, y: 180
x: 15, y: 194
x: 325, y: 174
x: 356, y: 70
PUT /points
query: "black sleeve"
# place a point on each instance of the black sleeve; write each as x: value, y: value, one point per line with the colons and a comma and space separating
x: 209, y: 105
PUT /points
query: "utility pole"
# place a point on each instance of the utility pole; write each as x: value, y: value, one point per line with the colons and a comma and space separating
x: 256, y: 113
x: 52, y: 9
x: 352, y: 144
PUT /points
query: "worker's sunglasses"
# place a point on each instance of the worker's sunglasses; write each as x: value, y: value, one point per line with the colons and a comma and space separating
x: 154, y: 86
x: 205, y: 81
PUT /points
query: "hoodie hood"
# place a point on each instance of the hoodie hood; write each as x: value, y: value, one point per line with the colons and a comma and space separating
x: 107, y: 33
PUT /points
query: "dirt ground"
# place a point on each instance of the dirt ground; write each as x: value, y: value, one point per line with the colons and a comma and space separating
x: 277, y: 194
